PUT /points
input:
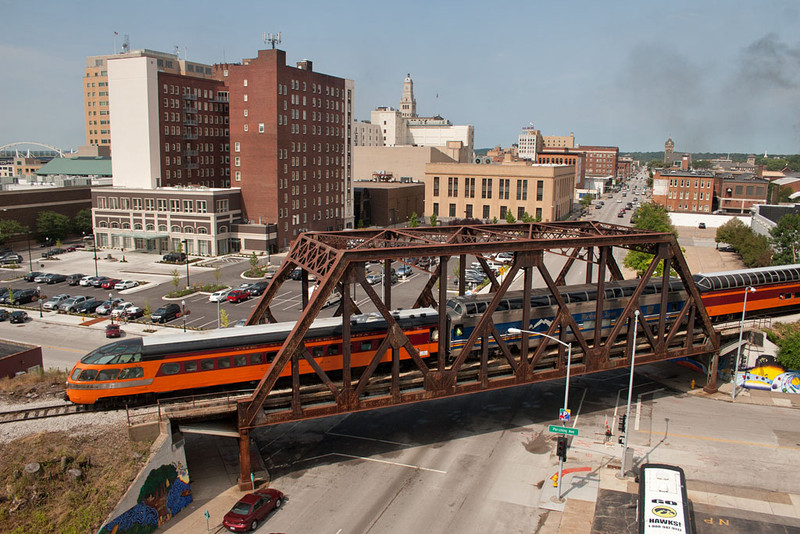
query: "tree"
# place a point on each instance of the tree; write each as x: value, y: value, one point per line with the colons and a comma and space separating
x: 176, y: 278
x: 217, y: 274
x: 510, y: 219
x: 51, y: 225
x: 494, y: 220
x: 733, y: 232
x: 702, y: 164
x: 253, y: 262
x: 433, y: 219
x: 783, y: 193
x: 755, y: 250
x: 526, y: 218
x: 82, y: 222
x: 587, y: 200
x: 413, y: 221
x: 786, y: 240
x: 9, y: 227
x: 649, y: 217
x: 224, y: 320
x: 787, y: 338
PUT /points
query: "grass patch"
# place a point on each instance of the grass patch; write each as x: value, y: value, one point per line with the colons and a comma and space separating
x: 42, y: 384
x: 207, y: 288
x: 52, y: 501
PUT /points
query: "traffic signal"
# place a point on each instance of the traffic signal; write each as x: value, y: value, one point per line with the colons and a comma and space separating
x: 561, y: 448
x: 622, y: 420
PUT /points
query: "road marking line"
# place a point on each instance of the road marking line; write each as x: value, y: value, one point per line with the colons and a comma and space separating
x: 398, y: 464
x: 723, y: 440
x: 63, y: 348
x: 369, y: 439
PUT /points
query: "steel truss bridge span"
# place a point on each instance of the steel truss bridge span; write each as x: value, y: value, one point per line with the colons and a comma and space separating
x: 487, y: 358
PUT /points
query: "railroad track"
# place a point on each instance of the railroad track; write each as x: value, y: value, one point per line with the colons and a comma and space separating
x: 41, y: 412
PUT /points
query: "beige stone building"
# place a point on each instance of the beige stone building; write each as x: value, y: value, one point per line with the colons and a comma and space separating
x: 467, y: 190
x: 400, y: 161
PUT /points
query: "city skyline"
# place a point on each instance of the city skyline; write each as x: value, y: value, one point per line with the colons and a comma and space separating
x: 629, y: 75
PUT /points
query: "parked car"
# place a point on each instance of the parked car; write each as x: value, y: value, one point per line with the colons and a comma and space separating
x: 53, y: 303
x: 106, y: 307
x: 54, y: 278
x: 98, y: 281
x: 18, y: 316
x: 134, y: 312
x: 125, y: 284
x: 74, y: 279
x: 238, y: 295
x: 252, y: 509
x: 110, y: 283
x: 41, y: 277
x: 86, y: 281
x: 166, y: 313
x: 174, y: 257
x: 113, y: 330
x: 10, y: 258
x: 123, y: 309
x: 297, y: 274
x: 374, y: 278
x: 257, y: 289
x: 89, y: 306
x: 4, y: 314
x: 7, y: 293
x: 219, y: 296
x: 404, y: 271
x: 57, y: 250
x: 71, y: 304
x: 31, y: 276
x: 23, y: 296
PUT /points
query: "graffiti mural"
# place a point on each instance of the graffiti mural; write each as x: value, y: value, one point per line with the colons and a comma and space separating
x: 164, y: 493
x: 769, y: 375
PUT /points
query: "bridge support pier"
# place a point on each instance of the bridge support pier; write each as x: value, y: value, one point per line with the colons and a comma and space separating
x: 245, y: 467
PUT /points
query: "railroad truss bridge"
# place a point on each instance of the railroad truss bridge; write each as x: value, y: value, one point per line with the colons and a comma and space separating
x: 485, y: 359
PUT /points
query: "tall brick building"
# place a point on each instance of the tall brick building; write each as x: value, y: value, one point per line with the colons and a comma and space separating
x: 290, y: 139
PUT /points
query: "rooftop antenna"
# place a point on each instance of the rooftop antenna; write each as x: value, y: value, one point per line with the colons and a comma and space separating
x: 126, y: 44
x: 272, y: 38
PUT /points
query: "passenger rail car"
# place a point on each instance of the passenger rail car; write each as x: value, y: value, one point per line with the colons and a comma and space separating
x: 137, y: 368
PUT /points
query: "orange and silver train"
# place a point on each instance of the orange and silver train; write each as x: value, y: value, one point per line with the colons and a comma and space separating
x: 140, y: 369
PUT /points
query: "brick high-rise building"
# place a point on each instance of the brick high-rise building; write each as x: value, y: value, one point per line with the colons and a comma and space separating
x: 290, y: 137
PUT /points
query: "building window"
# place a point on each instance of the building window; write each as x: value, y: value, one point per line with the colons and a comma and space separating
x: 486, y: 188
x: 201, y: 206
x: 522, y: 189
x: 222, y: 205
x: 237, y: 161
x: 452, y: 210
x: 236, y: 146
x: 538, y: 214
x: 175, y: 205
x: 436, y: 186
x: 261, y: 126
x: 468, y: 211
x: 503, y: 209
x: 539, y: 190
x: 485, y: 212
x: 188, y: 206
x: 436, y: 208
x: 149, y: 204
x: 237, y: 176
x: 520, y: 213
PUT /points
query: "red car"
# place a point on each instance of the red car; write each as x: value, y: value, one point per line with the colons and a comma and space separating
x: 110, y: 283
x: 252, y: 509
x: 238, y: 295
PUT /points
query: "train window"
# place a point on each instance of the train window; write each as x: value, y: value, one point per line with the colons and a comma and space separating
x: 239, y: 361
x: 627, y: 291
x: 75, y: 374
x: 256, y: 359
x: 578, y: 296
x: 107, y: 374
x: 456, y: 307
x: 190, y: 367
x: 797, y: 295
x: 366, y: 345
x: 207, y: 364
x: 170, y: 368
x: 119, y: 352
x: 318, y: 352
x: 503, y: 306
x: 88, y: 374
x: 271, y: 356
x: 541, y: 300
x: 333, y: 350
x: 515, y: 304
x: 131, y: 372
x: 472, y: 309
x: 481, y: 306
x: 224, y: 362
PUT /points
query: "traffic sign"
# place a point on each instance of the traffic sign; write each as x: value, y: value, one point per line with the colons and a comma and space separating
x: 563, y: 430
x: 563, y: 414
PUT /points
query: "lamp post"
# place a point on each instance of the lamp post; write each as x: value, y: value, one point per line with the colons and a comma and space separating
x: 219, y: 316
x: 748, y: 289
x: 185, y: 251
x: 30, y: 256
x: 623, y: 469
x: 183, y: 314
x: 513, y: 330
x: 94, y: 247
x: 39, y: 293
x: 111, y: 306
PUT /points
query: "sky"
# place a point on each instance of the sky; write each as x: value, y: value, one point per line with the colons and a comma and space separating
x: 714, y: 75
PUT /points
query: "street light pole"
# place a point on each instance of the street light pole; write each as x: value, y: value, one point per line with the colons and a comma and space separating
x: 748, y: 289
x: 30, y: 256
x: 185, y: 248
x: 183, y: 314
x: 39, y: 293
x: 513, y: 330
x: 630, y: 393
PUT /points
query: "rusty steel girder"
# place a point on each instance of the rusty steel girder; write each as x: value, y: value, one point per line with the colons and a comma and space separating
x: 337, y: 260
